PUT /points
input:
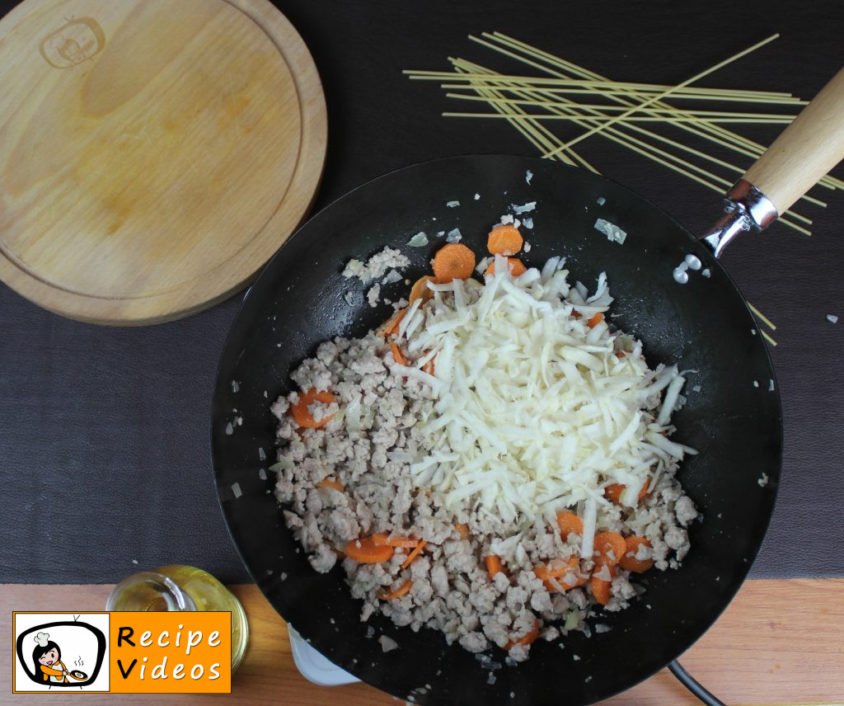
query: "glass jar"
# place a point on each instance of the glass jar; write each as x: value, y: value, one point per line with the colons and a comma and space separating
x: 178, y: 587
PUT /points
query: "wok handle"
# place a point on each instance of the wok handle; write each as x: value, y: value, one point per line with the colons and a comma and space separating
x: 805, y: 151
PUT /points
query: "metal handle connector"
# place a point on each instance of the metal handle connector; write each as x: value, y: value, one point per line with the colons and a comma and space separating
x: 746, y: 208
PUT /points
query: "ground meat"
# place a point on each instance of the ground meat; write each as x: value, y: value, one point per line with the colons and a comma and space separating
x: 321, y: 410
x: 678, y: 540
x: 541, y: 602
x: 372, y: 295
x: 559, y: 604
x: 516, y: 598
x: 439, y: 580
x: 685, y: 510
x: 550, y: 634
x: 621, y: 592
x: 323, y: 559
x: 279, y: 408
x: 474, y: 642
x: 497, y: 631
x: 376, y: 266
x: 352, y: 478
x: 519, y: 653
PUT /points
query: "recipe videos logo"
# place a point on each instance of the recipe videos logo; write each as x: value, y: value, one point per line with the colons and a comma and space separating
x: 122, y: 652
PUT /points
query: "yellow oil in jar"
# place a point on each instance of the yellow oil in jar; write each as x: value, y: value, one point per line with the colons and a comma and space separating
x: 179, y: 587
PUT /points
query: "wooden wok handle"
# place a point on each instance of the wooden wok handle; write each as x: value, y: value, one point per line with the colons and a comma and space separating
x: 806, y: 150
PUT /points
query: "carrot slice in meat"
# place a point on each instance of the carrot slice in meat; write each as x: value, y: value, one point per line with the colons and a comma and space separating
x: 331, y: 483
x: 629, y: 560
x: 542, y: 572
x: 614, y: 490
x: 420, y: 290
x: 558, y: 574
x: 402, y: 590
x: 453, y: 261
x: 505, y: 239
x: 609, y: 548
x: 302, y: 415
x: 392, y: 324
x: 569, y: 523
x: 493, y: 565
x: 601, y: 589
x: 514, y: 264
x: 525, y: 639
x: 382, y: 539
x: 462, y: 530
x: 417, y: 550
x: 398, y: 356
x: 365, y: 551
x: 595, y: 320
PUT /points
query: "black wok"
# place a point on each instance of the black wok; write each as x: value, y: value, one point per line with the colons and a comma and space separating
x: 734, y: 420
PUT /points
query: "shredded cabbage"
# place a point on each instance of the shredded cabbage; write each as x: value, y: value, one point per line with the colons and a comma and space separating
x: 534, y: 409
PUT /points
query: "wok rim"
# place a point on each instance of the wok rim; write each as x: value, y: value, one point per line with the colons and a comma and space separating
x: 761, y: 525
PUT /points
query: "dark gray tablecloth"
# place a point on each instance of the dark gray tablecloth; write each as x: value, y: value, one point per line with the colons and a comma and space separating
x: 104, y: 433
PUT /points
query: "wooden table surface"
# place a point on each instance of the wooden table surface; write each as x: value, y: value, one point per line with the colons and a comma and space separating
x: 779, y: 642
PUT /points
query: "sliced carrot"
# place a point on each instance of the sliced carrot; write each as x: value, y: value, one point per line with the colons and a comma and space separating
x: 601, y: 589
x: 365, y: 551
x: 551, y: 570
x: 398, y: 356
x: 302, y: 415
x: 505, y: 239
x: 331, y: 483
x: 614, y: 490
x: 382, y: 539
x: 402, y: 590
x: 556, y: 572
x: 420, y: 290
x: 430, y: 367
x: 543, y: 573
x: 595, y: 320
x: 514, y: 264
x: 575, y: 314
x: 453, y: 261
x: 392, y: 324
x: 462, y: 530
x: 629, y: 560
x: 417, y: 550
x: 493, y: 565
x: 609, y: 548
x: 525, y: 639
x: 569, y: 523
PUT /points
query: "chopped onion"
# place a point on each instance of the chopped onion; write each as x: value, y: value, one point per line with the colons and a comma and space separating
x: 420, y: 240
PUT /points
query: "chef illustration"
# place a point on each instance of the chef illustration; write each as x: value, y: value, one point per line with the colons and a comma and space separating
x: 47, y: 656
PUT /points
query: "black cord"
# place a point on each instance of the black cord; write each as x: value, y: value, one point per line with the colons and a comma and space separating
x: 693, y: 685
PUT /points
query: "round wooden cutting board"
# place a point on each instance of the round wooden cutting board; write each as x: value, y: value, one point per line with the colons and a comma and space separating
x: 153, y: 153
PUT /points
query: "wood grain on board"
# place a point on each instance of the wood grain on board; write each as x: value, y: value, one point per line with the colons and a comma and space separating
x: 779, y: 642
x: 153, y: 153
